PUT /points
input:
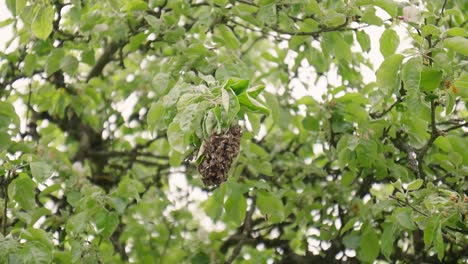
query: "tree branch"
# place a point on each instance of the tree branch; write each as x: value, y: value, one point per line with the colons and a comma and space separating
x: 105, y: 58
x: 434, y: 135
x: 247, y: 228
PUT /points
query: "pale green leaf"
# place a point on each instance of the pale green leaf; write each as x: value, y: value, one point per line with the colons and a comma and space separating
x: 457, y: 32
x: 54, y: 60
x: 387, y: 74
x: 411, y: 73
x: 69, y: 64
x: 457, y: 44
x: 229, y: 39
x: 430, y: 30
x: 364, y: 40
x: 236, y: 206
x: 439, y: 242
x: 390, y: 6
x: 225, y: 99
x: 270, y: 205
x: 155, y: 115
x: 415, y: 185
x: 8, y: 113
x: 387, y: 241
x: 430, y: 79
x: 369, y: 246
x: 389, y: 42
x: 106, y: 222
x: 5, y: 141
x: 432, y: 225
x: 23, y: 190
x: 42, y: 23
x: 404, y: 217
x: 77, y: 223
x: 41, y: 171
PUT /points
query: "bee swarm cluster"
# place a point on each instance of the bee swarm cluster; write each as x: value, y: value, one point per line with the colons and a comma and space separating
x: 219, y: 152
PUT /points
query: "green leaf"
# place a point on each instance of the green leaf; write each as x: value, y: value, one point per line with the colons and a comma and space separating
x: 161, y: 83
x: 176, y: 138
x: 267, y: 14
x: 270, y: 205
x: 415, y: 185
x: 154, y: 23
x: 266, y: 2
x: 364, y: 40
x: 351, y: 241
x: 457, y: 32
x: 23, y: 190
x: 411, y: 74
x: 430, y: 30
x: 236, y: 206
x: 41, y: 171
x: 309, y: 25
x: 39, y: 235
x: 5, y: 141
x: 225, y: 99
x: 310, y: 123
x: 11, y: 5
x: 313, y: 7
x: 404, y: 217
x: 439, y: 242
x: 387, y: 241
x: 77, y: 223
x: 387, y: 74
x: 69, y: 64
x: 430, y: 79
x: 432, y: 224
x: 228, y: 36
x: 130, y: 189
x: 252, y: 104
x: 30, y: 64
x: 155, y: 115
x: 389, y: 42
x: 390, y: 6
x: 366, y: 153
x: 106, y: 222
x: 349, y: 225
x: 255, y: 90
x: 8, y: 113
x: 214, y: 204
x: 457, y: 44
x: 237, y: 85
x: 370, y: 18
x: 334, y: 20
x: 136, y: 41
x: 136, y: 5
x: 369, y: 247
x: 42, y: 23
x: 6, y: 22
x: 221, y: 2
x: 54, y: 60
x: 348, y: 178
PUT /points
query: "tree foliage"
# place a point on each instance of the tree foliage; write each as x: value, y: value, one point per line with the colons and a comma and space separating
x: 107, y: 108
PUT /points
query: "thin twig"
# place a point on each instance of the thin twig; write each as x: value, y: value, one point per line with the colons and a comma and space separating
x: 434, y: 135
x: 441, y: 12
x: 376, y: 115
x: 166, y: 245
x: 247, y: 228
x: 5, y: 202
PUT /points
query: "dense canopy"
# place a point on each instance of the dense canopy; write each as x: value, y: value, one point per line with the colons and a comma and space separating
x: 221, y: 131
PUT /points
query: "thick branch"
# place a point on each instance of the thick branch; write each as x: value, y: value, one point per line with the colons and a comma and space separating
x: 247, y: 228
x: 105, y: 58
